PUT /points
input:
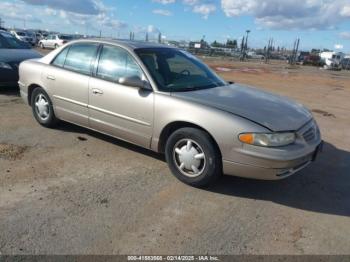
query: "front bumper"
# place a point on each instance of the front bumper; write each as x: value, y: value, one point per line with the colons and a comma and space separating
x: 271, y: 173
x: 274, y: 172
x: 275, y: 163
x: 8, y: 77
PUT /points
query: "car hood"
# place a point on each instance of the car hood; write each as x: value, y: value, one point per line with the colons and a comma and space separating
x: 275, y: 112
x: 17, y: 55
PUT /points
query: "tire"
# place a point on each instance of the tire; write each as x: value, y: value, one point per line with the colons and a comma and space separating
x: 56, y: 46
x: 42, y: 46
x: 42, y: 108
x: 197, y: 164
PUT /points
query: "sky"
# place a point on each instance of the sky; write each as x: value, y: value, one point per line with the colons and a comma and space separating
x: 318, y: 23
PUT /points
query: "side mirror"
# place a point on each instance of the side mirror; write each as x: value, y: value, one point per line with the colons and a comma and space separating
x: 134, y: 81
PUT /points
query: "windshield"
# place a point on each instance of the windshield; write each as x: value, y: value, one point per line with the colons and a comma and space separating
x: 65, y: 37
x: 177, y: 71
x: 8, y: 41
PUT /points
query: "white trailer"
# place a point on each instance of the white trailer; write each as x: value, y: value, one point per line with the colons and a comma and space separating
x: 332, y: 60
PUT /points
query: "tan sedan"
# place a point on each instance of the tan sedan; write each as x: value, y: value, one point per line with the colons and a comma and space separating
x: 167, y: 100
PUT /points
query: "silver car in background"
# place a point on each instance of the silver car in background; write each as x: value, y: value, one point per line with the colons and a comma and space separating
x: 167, y: 100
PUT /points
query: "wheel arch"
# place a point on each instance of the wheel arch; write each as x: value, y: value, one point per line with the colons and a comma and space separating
x: 31, y: 88
x: 176, y: 125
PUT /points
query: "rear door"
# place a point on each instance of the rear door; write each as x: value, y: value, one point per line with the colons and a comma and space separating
x: 68, y: 80
x: 121, y: 111
x: 48, y: 41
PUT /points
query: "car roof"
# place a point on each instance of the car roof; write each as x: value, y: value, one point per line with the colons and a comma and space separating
x: 125, y: 43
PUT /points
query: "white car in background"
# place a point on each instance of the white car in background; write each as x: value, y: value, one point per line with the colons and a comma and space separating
x: 55, y: 41
x: 22, y: 35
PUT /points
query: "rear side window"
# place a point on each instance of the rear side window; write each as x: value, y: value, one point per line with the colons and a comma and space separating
x: 79, y: 58
x: 59, y: 60
x: 115, y: 63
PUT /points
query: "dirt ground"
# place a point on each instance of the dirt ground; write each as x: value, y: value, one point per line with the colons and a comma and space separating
x: 73, y: 191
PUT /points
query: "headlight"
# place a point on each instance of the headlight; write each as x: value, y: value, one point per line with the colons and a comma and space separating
x: 268, y: 140
x: 5, y: 65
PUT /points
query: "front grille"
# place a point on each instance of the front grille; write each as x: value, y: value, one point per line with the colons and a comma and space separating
x: 310, y: 134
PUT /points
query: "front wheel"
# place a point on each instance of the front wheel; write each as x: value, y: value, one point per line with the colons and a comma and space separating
x: 193, y: 157
x: 42, y: 108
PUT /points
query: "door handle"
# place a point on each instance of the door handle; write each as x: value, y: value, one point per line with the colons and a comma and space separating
x: 97, y: 91
x: 51, y: 77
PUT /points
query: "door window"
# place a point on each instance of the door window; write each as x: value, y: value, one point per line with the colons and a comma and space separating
x: 80, y: 56
x: 115, y: 63
x: 61, y: 58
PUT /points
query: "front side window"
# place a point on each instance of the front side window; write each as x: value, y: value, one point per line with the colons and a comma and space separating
x: 115, y: 63
x: 80, y: 56
x: 177, y: 71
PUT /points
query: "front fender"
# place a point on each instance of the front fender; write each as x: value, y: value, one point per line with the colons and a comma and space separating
x: 224, y: 127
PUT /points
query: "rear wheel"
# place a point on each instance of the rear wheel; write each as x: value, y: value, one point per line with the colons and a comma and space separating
x: 56, y: 46
x: 42, y: 46
x: 193, y: 157
x: 42, y: 108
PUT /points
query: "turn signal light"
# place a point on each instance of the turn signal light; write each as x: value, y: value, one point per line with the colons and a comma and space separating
x: 246, y: 138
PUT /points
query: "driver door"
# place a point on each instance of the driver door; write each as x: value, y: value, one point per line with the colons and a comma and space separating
x: 121, y: 111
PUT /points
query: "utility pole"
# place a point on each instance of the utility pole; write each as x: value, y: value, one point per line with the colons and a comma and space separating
x: 246, y: 40
x: 245, y: 46
x: 2, y: 23
x: 242, y: 48
x: 86, y: 29
x: 295, y: 51
x: 268, y: 49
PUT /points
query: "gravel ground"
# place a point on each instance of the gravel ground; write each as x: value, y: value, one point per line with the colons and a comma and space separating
x: 73, y: 191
